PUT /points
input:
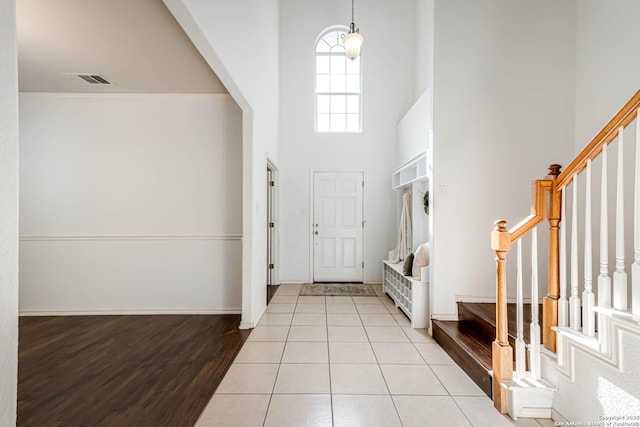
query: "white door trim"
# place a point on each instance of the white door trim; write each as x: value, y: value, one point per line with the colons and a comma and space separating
x: 275, y: 254
x: 310, y: 216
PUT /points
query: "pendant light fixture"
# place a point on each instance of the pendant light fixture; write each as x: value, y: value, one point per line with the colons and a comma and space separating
x: 353, y: 40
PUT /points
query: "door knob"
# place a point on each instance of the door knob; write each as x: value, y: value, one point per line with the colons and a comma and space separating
x: 315, y: 232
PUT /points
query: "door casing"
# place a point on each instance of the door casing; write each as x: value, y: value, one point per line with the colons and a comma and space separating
x: 273, y: 234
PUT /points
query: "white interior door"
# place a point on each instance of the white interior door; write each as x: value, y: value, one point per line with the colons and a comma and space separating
x: 337, y: 227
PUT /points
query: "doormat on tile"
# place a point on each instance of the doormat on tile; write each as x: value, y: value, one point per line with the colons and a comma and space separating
x: 337, y: 289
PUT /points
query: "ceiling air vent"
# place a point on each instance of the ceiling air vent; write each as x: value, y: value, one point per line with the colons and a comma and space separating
x: 89, y: 79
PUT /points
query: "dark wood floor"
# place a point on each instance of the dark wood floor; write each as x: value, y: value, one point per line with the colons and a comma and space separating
x: 122, y: 370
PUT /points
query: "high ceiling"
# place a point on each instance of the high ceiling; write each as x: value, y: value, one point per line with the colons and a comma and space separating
x: 135, y: 44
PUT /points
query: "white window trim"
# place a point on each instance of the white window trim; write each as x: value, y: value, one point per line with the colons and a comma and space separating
x: 338, y: 28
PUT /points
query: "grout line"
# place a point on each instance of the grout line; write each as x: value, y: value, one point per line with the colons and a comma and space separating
x: 436, y: 375
x: 305, y: 393
x: 279, y: 365
x: 326, y: 325
x: 393, y: 402
x: 460, y: 409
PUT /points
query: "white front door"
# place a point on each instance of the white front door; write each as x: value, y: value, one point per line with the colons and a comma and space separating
x: 337, y: 227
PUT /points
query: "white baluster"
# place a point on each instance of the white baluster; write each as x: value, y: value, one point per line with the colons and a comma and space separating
x: 574, y: 300
x: 620, y: 275
x: 563, y: 303
x: 604, y: 281
x: 635, y: 267
x: 534, y: 335
x: 520, y: 345
x: 588, y: 298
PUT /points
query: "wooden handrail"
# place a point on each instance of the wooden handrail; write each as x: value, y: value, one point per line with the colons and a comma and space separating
x: 541, y: 209
x: 538, y: 209
x: 501, y: 241
x: 606, y: 136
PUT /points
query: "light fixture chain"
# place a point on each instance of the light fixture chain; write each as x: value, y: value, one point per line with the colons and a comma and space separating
x: 352, y: 9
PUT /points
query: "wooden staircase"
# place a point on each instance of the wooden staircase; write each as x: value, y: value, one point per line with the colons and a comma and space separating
x: 468, y: 340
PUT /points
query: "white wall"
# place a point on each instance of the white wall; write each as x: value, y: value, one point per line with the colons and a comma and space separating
x: 424, y: 45
x: 503, y: 111
x: 239, y: 40
x: 607, y: 33
x: 415, y: 128
x: 130, y: 203
x: 388, y: 90
x: 8, y: 214
x: 607, y: 66
x: 607, y: 75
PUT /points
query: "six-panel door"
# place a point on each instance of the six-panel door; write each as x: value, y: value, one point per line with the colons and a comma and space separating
x: 337, y: 226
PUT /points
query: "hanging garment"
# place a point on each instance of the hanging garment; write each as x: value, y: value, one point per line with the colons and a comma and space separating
x: 405, y: 239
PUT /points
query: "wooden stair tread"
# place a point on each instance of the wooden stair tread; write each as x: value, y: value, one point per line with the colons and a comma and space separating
x: 469, y: 340
x: 472, y: 344
x: 470, y: 351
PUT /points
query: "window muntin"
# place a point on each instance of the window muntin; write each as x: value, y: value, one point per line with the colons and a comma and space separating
x: 338, y: 85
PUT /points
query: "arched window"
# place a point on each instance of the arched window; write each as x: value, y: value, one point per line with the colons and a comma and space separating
x: 338, y: 85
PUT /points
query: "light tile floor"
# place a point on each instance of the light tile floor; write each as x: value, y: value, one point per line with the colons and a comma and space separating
x: 343, y: 361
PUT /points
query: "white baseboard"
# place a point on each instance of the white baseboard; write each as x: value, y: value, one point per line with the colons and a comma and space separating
x: 488, y: 299
x: 475, y: 298
x: 251, y: 325
x: 32, y: 313
x: 297, y: 282
x: 128, y: 237
x: 556, y: 416
x: 444, y: 316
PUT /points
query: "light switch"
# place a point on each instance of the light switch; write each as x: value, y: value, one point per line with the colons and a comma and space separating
x: 442, y: 191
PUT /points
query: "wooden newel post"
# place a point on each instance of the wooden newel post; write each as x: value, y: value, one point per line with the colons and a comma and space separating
x: 502, y: 353
x: 550, y: 301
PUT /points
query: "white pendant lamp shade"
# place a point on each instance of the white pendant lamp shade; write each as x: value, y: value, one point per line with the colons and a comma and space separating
x: 353, y: 40
x: 352, y: 44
